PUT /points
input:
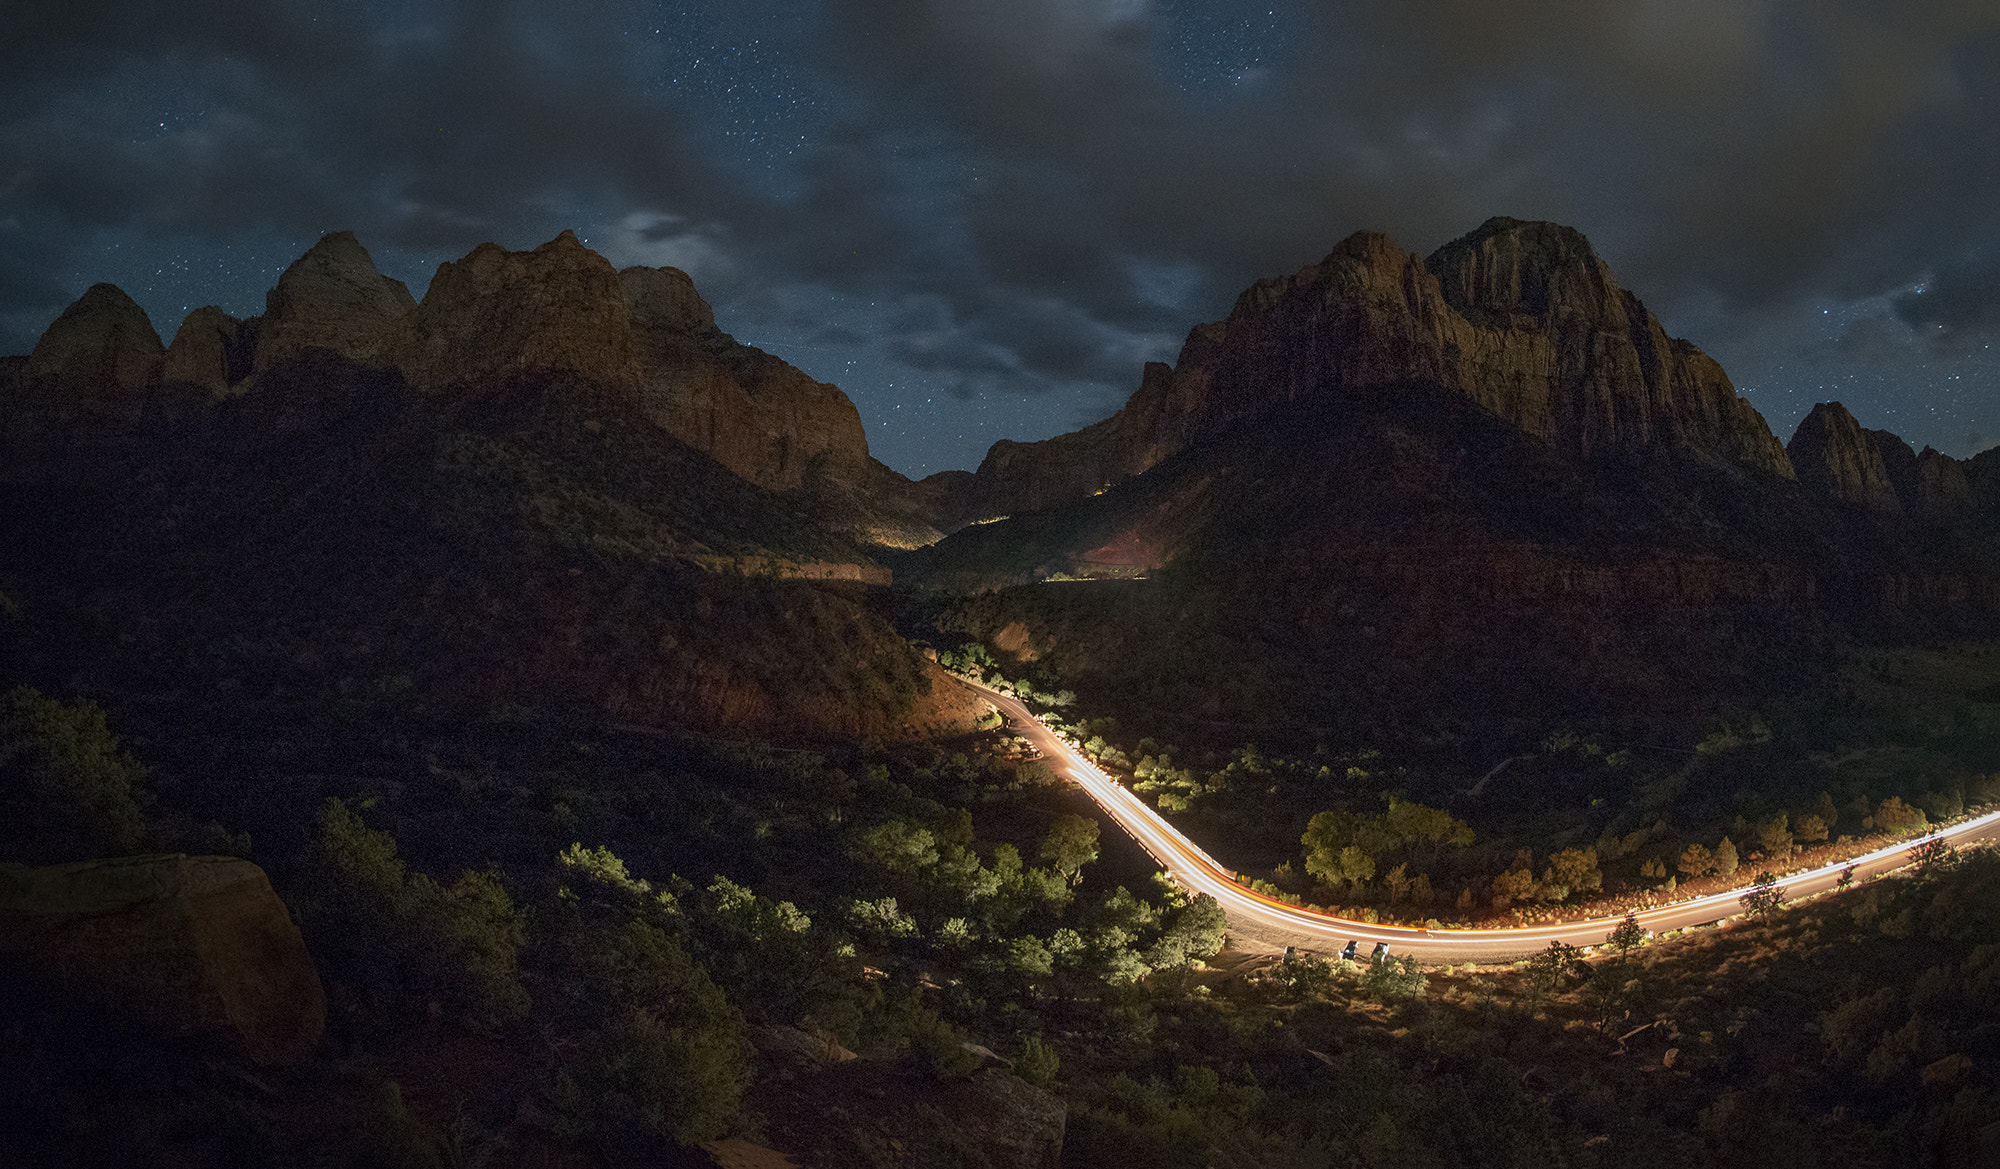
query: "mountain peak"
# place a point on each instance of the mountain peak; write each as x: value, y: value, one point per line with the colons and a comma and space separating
x: 496, y: 314
x: 1529, y: 267
x: 334, y: 298
x: 102, y: 346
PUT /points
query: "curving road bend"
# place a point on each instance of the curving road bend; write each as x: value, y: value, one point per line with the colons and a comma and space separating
x: 1272, y: 921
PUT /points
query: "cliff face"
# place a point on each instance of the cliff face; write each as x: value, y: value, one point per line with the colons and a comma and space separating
x: 212, y: 352
x: 1522, y: 319
x: 497, y: 315
x: 1876, y: 470
x: 333, y: 298
x: 749, y: 411
x: 487, y: 320
x: 100, y: 356
x: 1834, y: 456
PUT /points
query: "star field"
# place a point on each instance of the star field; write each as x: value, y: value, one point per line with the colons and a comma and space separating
x: 980, y: 220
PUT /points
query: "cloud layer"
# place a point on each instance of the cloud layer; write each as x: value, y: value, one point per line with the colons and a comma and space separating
x: 979, y: 217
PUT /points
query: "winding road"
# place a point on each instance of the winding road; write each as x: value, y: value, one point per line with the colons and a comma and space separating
x: 1265, y: 919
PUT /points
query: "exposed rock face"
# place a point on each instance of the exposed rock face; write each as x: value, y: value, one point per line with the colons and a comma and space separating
x: 1899, y: 465
x: 212, y: 352
x: 496, y: 315
x: 195, y: 945
x: 751, y: 412
x: 333, y: 298
x: 1522, y: 318
x: 1833, y: 455
x: 1947, y: 493
x: 100, y: 355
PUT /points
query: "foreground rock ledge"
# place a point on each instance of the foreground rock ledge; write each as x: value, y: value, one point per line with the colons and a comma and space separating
x: 194, y: 945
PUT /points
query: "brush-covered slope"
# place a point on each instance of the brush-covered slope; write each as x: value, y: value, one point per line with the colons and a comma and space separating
x: 488, y: 497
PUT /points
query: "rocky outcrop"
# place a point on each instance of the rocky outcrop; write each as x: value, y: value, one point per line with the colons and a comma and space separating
x: 1834, y: 456
x: 1947, y: 493
x: 212, y: 352
x: 497, y: 315
x: 1523, y: 319
x: 195, y: 946
x: 333, y: 298
x: 759, y: 416
x: 100, y: 356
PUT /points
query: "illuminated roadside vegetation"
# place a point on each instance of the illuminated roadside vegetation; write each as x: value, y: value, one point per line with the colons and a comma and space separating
x: 1616, y: 818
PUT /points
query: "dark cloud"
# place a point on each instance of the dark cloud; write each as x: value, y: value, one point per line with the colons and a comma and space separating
x: 1057, y: 189
x: 1960, y: 304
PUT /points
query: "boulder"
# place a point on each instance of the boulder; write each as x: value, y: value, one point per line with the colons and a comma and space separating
x: 197, y: 946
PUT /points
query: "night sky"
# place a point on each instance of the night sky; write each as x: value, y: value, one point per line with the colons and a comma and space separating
x: 979, y: 217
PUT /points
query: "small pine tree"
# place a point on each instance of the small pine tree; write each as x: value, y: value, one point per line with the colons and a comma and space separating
x: 1725, y: 858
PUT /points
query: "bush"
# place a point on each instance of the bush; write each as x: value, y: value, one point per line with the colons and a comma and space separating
x: 68, y: 791
x: 405, y: 938
x: 659, y: 1049
x: 1038, y: 1062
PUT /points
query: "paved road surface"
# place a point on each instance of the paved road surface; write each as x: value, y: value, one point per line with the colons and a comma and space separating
x: 1269, y: 920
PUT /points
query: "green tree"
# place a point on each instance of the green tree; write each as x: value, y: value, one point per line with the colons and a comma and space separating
x: 1070, y: 845
x: 1765, y: 898
x: 1037, y: 1062
x: 648, y: 1040
x: 1774, y: 837
x: 68, y: 790
x: 896, y: 846
x: 1575, y: 872
x: 1893, y: 815
x: 1515, y: 884
x: 1395, y: 977
x: 1725, y: 858
x: 1548, y: 970
x: 405, y: 937
x: 1696, y: 862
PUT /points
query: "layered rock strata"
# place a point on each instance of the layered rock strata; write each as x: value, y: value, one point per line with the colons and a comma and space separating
x: 1521, y: 318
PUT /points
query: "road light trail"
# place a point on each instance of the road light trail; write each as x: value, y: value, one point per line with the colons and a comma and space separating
x: 1196, y: 871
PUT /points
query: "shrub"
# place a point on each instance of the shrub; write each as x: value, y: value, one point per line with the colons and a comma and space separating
x: 1037, y: 1062
x: 68, y: 791
x: 403, y: 936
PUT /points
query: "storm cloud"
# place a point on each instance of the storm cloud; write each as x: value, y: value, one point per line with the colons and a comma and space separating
x: 980, y: 218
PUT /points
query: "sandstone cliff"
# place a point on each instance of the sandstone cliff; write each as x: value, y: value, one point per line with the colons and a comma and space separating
x: 762, y: 418
x: 99, y: 357
x: 1833, y: 455
x: 212, y: 352
x: 1836, y: 456
x: 496, y: 315
x: 1522, y: 319
x: 333, y: 298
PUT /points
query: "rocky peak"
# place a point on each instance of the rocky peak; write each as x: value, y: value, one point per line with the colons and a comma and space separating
x: 1834, y: 456
x: 1947, y: 491
x: 102, y: 349
x: 496, y: 314
x: 1508, y: 267
x: 664, y: 300
x: 212, y: 351
x: 333, y: 298
x: 1523, y: 319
